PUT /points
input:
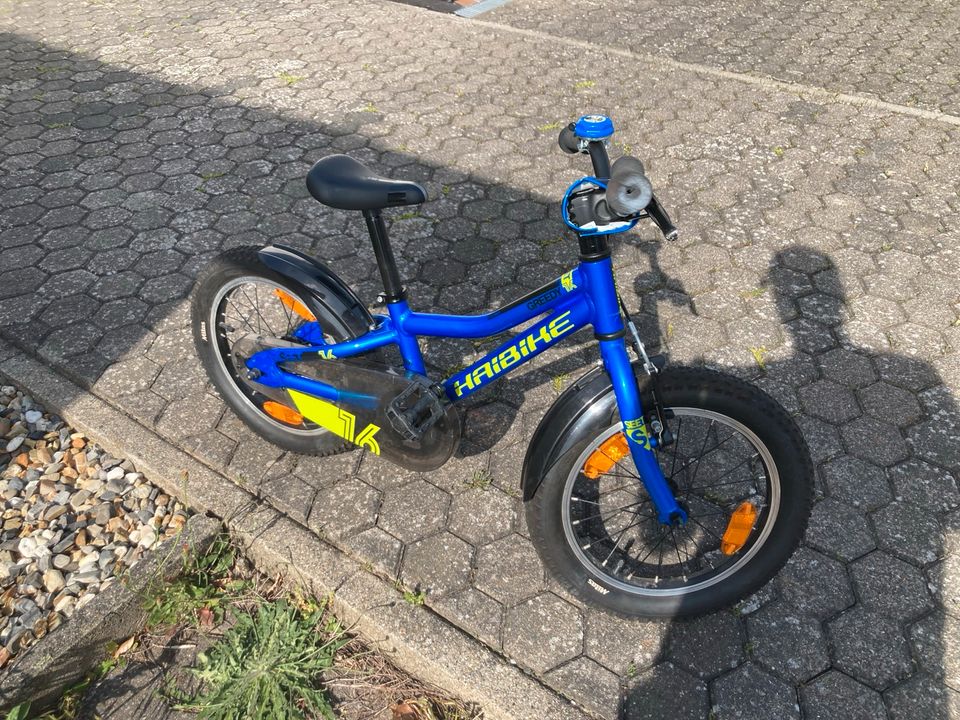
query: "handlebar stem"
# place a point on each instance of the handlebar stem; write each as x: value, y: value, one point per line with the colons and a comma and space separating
x: 600, y: 159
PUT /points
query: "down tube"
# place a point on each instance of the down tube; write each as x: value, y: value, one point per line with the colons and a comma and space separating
x: 564, y: 321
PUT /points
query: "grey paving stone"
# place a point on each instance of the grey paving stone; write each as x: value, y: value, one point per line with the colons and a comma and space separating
x: 889, y: 403
x: 543, y: 632
x: 509, y: 569
x: 835, y: 695
x: 875, y: 441
x: 830, y: 401
x: 933, y: 640
x: 478, y: 614
x: 839, y: 530
x: 706, y: 646
x: 857, y: 483
x: 414, y: 510
x: 665, y: 685
x: 345, y: 508
x: 922, y: 696
x: 749, y: 691
x: 439, y: 564
x: 890, y: 586
x: 791, y: 645
x: 482, y: 515
x: 380, y: 549
x: 591, y: 685
x: 928, y: 486
x: 624, y: 645
x: 945, y: 582
x: 908, y: 532
x: 870, y: 647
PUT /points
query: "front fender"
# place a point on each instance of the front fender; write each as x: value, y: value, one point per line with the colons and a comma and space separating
x: 587, y: 404
x: 326, y: 288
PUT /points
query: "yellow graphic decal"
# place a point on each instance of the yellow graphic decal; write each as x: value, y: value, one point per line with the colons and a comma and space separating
x: 637, y: 432
x: 533, y: 342
x: 336, y: 420
x: 326, y: 354
x: 567, y: 281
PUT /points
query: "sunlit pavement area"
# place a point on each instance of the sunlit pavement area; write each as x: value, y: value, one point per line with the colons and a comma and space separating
x: 808, y: 153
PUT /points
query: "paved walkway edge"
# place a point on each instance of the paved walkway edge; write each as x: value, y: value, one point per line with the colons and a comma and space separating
x: 415, y: 638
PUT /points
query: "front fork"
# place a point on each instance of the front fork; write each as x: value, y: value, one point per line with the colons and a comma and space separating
x: 620, y: 370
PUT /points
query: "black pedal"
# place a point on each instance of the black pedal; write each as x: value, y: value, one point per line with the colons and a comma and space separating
x: 415, y: 410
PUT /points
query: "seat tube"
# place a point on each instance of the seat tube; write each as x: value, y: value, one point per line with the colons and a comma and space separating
x: 609, y: 330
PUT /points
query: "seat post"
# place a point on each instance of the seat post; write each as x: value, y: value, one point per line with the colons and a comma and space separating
x: 393, y: 289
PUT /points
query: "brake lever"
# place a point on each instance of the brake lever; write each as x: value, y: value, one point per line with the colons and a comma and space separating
x: 656, y: 212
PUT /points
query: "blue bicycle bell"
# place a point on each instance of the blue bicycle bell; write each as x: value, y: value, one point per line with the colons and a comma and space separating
x: 594, y: 127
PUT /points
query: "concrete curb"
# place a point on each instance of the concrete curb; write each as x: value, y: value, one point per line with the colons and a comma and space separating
x: 416, y: 639
x: 63, y: 657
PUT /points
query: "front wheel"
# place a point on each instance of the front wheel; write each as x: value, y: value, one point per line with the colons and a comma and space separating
x: 738, y: 465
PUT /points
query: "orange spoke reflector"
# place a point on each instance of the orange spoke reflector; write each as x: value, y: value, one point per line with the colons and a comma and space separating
x: 295, y: 305
x: 612, y: 450
x: 282, y: 413
x: 739, y: 528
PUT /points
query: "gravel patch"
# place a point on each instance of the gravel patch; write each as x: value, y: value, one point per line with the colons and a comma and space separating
x: 74, y: 519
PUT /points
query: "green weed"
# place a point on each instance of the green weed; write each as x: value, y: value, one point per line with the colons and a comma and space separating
x: 550, y: 126
x: 759, y: 355
x: 268, y: 665
x: 481, y: 479
x: 778, y: 151
x: 583, y: 84
x: 752, y: 294
x: 408, y: 215
x: 289, y: 79
x: 558, y: 381
x: 369, y: 108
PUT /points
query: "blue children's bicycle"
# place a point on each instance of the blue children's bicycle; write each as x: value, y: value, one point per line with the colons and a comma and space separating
x: 648, y: 491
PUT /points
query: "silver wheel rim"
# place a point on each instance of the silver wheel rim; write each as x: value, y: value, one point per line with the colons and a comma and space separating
x: 212, y: 323
x: 772, y: 511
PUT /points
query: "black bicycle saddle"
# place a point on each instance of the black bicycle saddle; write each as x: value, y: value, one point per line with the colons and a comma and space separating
x: 342, y: 182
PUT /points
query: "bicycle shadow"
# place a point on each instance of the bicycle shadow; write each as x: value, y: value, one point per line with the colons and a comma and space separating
x: 866, y: 599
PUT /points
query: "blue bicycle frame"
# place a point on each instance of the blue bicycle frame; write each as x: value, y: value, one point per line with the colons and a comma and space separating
x: 583, y: 296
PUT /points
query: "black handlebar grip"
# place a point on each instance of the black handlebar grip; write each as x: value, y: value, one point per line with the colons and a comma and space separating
x: 569, y: 142
x: 628, y: 191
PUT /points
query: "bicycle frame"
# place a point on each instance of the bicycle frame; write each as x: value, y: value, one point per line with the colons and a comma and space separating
x: 583, y: 296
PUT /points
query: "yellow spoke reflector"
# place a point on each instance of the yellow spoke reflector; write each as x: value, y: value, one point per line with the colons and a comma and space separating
x: 295, y: 305
x: 282, y: 413
x: 739, y: 528
x: 612, y: 450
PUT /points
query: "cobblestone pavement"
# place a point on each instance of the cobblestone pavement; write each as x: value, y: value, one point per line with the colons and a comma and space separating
x: 879, y: 49
x: 140, y: 140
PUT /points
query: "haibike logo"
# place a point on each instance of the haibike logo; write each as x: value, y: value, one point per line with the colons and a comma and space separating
x: 528, y: 344
x: 567, y: 281
x: 597, y: 586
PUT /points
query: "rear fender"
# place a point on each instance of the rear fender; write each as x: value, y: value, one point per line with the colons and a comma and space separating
x: 326, y: 288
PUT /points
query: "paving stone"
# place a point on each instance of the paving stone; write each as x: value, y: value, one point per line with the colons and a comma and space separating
x: 922, y: 696
x: 835, y: 695
x: 857, y: 483
x: 542, y: 632
x: 945, y: 582
x: 414, y: 510
x: 706, y: 646
x: 908, y: 532
x: 509, y: 569
x: 477, y: 613
x: 591, y: 685
x: 665, y: 685
x: 479, y: 516
x: 829, y: 401
x: 870, y: 648
x: 928, y: 486
x: 380, y: 549
x: 874, y: 441
x: 439, y: 564
x: 889, y: 403
x: 933, y: 640
x: 345, y: 508
x: 839, y: 530
x: 750, y: 692
x: 890, y: 586
x: 623, y: 645
x: 788, y: 643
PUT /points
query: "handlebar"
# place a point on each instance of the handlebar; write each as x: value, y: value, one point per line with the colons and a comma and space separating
x: 629, y: 193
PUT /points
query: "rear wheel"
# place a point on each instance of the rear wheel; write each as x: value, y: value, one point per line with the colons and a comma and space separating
x: 738, y: 466
x: 240, y: 307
